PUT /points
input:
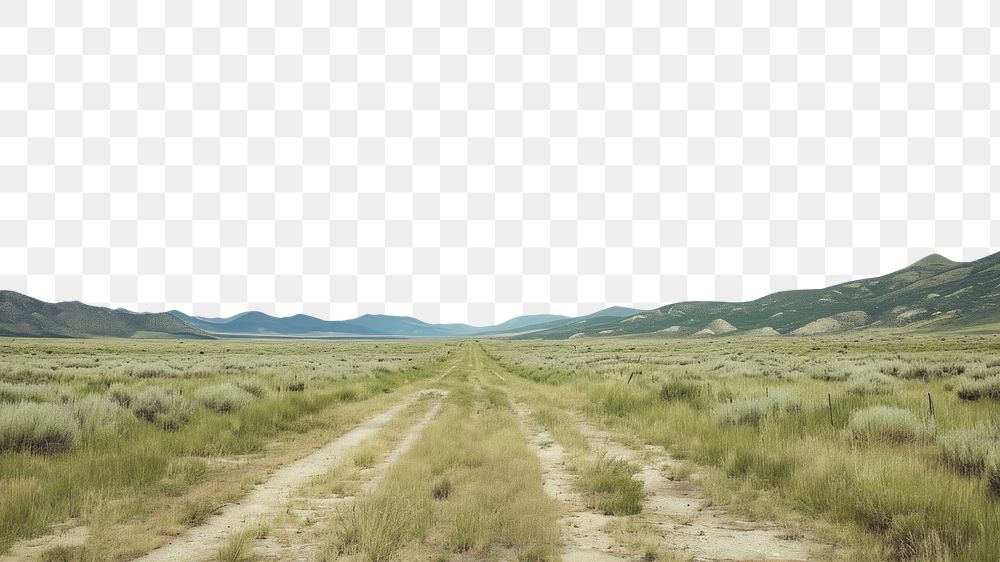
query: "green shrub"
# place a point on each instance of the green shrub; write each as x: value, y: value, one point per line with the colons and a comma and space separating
x: 892, y: 367
x: 885, y: 424
x: 971, y: 451
x: 98, y: 413
x: 981, y: 372
x: 165, y: 408
x: 831, y: 375
x: 979, y: 389
x: 683, y: 390
x: 121, y: 394
x: 753, y: 410
x: 223, y: 397
x: 37, y: 428
x: 254, y: 388
x: 926, y: 372
x: 871, y: 383
x: 291, y: 384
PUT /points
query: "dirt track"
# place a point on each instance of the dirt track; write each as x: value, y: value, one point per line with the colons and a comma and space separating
x: 202, y: 542
x: 583, y: 529
x: 296, y: 540
x: 688, y: 524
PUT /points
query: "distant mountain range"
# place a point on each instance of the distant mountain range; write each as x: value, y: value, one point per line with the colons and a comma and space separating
x: 933, y: 294
x: 21, y: 315
x: 371, y: 325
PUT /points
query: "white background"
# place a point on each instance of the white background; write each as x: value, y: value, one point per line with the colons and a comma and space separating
x: 466, y: 161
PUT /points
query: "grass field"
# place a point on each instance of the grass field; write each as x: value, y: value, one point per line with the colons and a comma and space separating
x: 873, y: 448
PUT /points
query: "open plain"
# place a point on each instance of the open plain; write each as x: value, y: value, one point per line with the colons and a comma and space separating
x: 853, y: 447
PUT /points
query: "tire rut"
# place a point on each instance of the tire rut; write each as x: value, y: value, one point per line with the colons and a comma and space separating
x: 687, y: 522
x: 583, y: 529
x: 304, y: 545
x: 202, y: 542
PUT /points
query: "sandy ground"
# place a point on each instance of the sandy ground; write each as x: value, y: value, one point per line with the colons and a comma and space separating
x: 69, y: 534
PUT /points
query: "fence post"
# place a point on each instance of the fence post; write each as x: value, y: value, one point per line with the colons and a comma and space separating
x: 930, y: 405
x: 829, y: 403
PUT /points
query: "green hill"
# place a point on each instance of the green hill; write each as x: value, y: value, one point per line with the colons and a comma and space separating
x: 21, y: 315
x: 934, y: 293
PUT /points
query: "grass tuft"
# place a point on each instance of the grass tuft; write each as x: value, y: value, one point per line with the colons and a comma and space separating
x: 609, y: 486
x: 239, y: 545
x: 441, y: 489
x: 376, y: 525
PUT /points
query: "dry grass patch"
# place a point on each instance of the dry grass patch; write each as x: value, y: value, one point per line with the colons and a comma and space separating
x: 468, y: 485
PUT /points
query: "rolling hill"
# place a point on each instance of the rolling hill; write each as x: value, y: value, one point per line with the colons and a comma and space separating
x: 258, y: 323
x: 21, y: 315
x: 934, y: 293
x: 373, y: 325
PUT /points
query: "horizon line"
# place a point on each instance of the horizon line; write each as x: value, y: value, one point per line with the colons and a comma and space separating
x: 639, y: 309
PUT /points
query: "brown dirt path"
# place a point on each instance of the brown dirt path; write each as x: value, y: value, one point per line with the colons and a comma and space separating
x: 202, y: 542
x: 583, y: 529
x: 296, y: 540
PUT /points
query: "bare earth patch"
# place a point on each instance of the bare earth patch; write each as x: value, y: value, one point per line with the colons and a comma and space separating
x: 445, y: 374
x: 68, y: 535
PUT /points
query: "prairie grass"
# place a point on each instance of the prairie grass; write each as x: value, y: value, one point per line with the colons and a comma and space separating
x: 693, y: 392
x: 130, y: 479
x: 377, y: 525
x: 37, y: 428
x: 754, y: 410
x: 887, y: 500
x: 468, y: 486
x: 13, y: 393
x: 165, y: 408
x: 975, y: 451
x: 978, y: 389
x: 971, y: 451
x: 99, y: 414
x: 225, y: 397
x: 887, y: 425
x: 871, y: 384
